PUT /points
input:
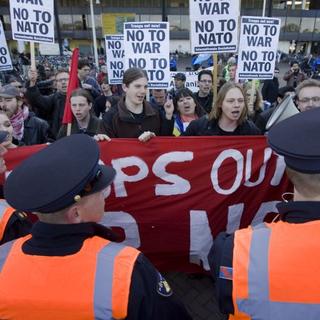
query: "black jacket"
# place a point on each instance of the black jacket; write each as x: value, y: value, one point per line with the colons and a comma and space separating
x: 94, y: 127
x: 145, y: 302
x: 99, y: 105
x: 270, y: 90
x: 36, y: 130
x: 205, y: 102
x: 49, y: 107
x: 119, y: 122
x: 204, y: 127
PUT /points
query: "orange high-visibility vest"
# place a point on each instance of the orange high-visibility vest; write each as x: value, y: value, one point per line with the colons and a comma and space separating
x: 5, y: 213
x: 93, y: 283
x: 276, y: 272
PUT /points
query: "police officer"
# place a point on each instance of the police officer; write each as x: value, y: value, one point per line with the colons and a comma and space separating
x: 13, y: 223
x: 74, y: 270
x: 271, y: 271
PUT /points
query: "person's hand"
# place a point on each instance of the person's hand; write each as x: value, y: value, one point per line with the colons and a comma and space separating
x: 146, y: 136
x: 168, y: 108
x: 33, y: 76
x: 87, y: 86
x: 101, y: 137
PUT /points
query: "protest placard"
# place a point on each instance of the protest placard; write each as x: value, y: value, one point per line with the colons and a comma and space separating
x: 191, y: 79
x: 32, y: 20
x: 214, y: 25
x: 5, y: 59
x: 258, y: 47
x: 146, y: 46
x: 115, y: 58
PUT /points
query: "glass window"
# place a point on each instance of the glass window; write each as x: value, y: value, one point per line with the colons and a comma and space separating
x: 97, y: 20
x: 78, y: 22
x: 5, y: 19
x: 307, y: 25
x: 185, y: 23
x: 317, y: 26
x: 150, y: 17
x: 251, y: 4
x: 178, y: 4
x: 66, y: 22
x: 175, y: 22
x: 292, y: 24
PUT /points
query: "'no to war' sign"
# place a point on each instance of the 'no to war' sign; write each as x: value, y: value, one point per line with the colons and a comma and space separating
x: 214, y: 25
x: 258, y: 47
x: 5, y: 59
x: 115, y: 58
x: 32, y: 20
x: 146, y: 46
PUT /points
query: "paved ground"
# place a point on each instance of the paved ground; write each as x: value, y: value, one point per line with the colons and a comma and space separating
x: 197, y: 293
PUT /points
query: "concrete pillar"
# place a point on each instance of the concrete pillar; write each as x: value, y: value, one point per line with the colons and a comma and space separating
x: 308, y: 48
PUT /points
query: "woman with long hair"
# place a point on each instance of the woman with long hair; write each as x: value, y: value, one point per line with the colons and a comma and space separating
x: 84, y: 121
x: 187, y: 109
x: 228, y: 115
x: 133, y: 117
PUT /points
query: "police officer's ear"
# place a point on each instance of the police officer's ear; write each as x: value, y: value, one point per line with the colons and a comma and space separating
x: 72, y: 214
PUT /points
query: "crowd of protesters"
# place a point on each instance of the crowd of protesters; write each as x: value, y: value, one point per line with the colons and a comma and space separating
x: 31, y: 112
x: 32, y: 103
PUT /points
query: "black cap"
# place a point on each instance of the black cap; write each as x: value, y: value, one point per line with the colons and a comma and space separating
x: 58, y: 175
x: 298, y: 139
x: 180, y: 76
x: 3, y: 136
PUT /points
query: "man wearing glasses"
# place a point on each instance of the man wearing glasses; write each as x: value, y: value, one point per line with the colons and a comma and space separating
x: 308, y: 94
x: 52, y: 105
x: 204, y: 96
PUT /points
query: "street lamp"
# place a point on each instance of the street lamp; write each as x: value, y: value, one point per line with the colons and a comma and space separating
x: 95, y: 48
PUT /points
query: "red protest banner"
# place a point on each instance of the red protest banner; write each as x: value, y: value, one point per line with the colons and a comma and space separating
x: 171, y: 196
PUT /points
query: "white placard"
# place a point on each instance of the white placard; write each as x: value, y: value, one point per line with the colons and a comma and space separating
x: 115, y: 57
x: 32, y: 20
x: 5, y: 59
x: 258, y: 47
x: 47, y: 49
x: 191, y: 80
x: 214, y: 25
x: 146, y: 46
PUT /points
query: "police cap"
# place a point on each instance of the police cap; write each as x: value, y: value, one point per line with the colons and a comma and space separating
x: 58, y: 175
x: 298, y: 139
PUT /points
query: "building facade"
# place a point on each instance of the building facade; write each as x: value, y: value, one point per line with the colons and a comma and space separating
x: 300, y: 21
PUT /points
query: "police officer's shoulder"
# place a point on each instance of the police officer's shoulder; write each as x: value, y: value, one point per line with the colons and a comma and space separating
x: 298, y: 140
x: 18, y: 225
x: 57, y: 176
x: 153, y: 277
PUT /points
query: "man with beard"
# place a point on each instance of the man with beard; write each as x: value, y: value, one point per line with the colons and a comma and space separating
x: 294, y: 76
x: 53, y: 104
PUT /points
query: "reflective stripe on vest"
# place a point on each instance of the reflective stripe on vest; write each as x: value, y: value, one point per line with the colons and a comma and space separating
x: 5, y: 249
x: 106, y: 296
x: 5, y: 214
x: 258, y: 304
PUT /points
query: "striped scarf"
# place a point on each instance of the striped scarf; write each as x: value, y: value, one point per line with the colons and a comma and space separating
x: 17, y: 121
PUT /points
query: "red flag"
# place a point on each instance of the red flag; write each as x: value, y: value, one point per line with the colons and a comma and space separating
x: 73, y: 84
